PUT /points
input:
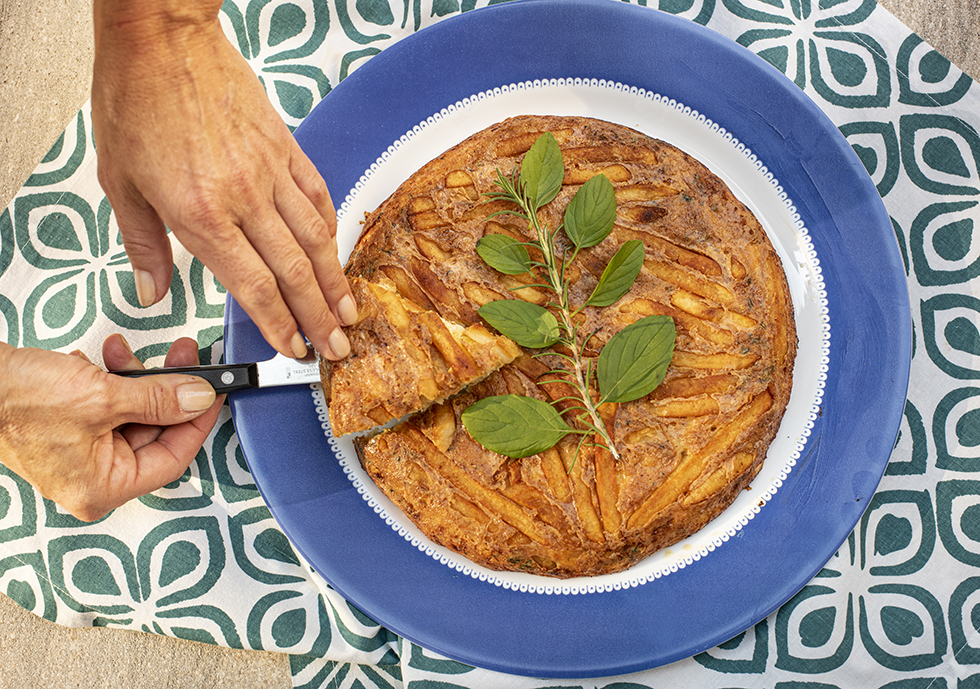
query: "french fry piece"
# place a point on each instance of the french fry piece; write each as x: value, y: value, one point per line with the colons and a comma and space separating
x: 607, y: 490
x: 538, y: 505
x: 606, y: 475
x: 646, y: 307
x: 738, y: 270
x: 690, y: 281
x: 406, y: 286
x: 449, y: 303
x: 459, y: 178
x: 430, y: 249
x: 482, y: 211
x: 718, y: 336
x: 673, y: 252
x: 521, y: 291
x: 481, y: 295
x: 689, y: 303
x: 555, y: 474
x: 440, y: 426
x: 581, y: 491
x: 685, y: 408
x: 468, y: 509
x: 426, y: 220
x: 516, y: 145
x: 691, y: 387
x: 720, y: 477
x: 713, y: 362
x: 693, y: 464
x: 458, y: 359
x: 615, y: 173
x: 420, y: 204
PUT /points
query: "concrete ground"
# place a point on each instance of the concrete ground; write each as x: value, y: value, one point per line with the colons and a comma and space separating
x: 45, y: 64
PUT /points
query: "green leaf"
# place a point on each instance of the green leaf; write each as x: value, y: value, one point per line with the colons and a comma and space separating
x: 529, y: 325
x: 514, y: 425
x: 590, y: 215
x: 504, y: 254
x: 619, y: 275
x: 542, y: 171
x: 635, y: 360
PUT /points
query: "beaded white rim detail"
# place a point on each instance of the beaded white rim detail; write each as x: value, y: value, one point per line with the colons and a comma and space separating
x: 727, y: 157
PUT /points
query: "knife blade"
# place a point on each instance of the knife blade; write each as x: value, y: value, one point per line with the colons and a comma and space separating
x: 224, y: 378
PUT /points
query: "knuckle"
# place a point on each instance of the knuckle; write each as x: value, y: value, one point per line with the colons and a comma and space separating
x: 297, y: 272
x: 202, y: 211
x: 159, y: 401
x: 101, y: 402
x: 318, y: 194
x: 261, y: 290
x: 334, y: 280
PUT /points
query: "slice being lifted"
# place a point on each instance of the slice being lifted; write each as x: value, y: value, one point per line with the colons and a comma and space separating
x: 403, y: 360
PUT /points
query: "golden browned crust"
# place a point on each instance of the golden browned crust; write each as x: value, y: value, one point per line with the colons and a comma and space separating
x: 687, y: 449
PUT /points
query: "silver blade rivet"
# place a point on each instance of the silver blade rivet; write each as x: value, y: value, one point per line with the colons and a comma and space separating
x: 227, y: 377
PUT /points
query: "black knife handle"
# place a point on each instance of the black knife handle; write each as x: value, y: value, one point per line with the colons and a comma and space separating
x: 223, y: 377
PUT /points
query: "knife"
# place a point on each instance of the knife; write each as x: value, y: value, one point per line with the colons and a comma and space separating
x: 279, y: 370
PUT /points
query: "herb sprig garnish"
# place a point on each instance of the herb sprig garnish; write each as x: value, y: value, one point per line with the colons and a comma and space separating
x: 631, y: 364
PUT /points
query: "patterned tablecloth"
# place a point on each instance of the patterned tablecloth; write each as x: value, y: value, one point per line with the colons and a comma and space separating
x: 202, y: 559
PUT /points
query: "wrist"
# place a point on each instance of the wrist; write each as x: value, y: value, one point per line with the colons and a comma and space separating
x: 143, y: 20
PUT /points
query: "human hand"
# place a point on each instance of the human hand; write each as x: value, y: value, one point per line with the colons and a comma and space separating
x: 92, y: 441
x: 187, y: 139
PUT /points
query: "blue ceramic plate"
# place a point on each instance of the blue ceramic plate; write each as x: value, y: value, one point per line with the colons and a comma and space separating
x: 640, y: 67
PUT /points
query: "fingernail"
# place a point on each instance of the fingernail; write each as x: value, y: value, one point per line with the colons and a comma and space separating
x: 146, y: 290
x: 339, y: 343
x: 298, y: 345
x: 195, y: 397
x: 81, y: 355
x: 125, y: 343
x: 347, y: 311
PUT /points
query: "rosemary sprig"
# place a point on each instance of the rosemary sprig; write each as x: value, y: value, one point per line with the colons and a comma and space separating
x: 631, y: 364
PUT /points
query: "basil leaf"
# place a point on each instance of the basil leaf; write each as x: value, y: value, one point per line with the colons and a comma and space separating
x: 529, y: 325
x: 619, y: 275
x: 635, y: 359
x: 590, y: 215
x: 542, y: 171
x: 514, y: 425
x: 504, y: 254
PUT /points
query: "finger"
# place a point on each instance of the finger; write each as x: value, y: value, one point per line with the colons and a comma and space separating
x: 163, y: 400
x: 80, y: 354
x: 320, y: 245
x: 326, y: 260
x: 147, y: 245
x: 311, y: 184
x: 118, y: 355
x: 183, y: 352
x: 166, y: 458
x: 298, y: 285
x: 244, y: 273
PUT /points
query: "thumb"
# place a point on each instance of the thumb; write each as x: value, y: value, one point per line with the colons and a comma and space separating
x: 148, y: 247
x: 159, y: 400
